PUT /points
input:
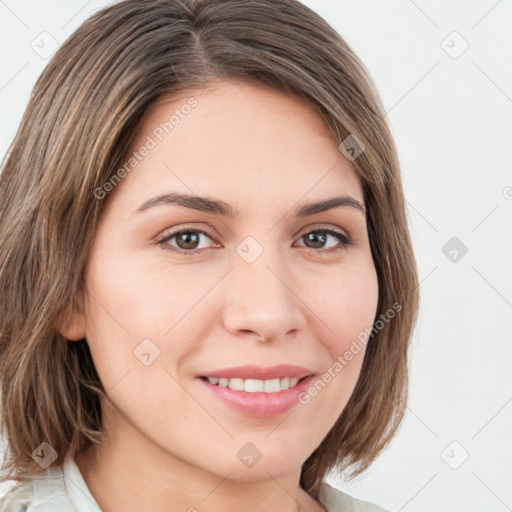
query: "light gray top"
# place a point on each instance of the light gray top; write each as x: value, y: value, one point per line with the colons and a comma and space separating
x: 63, y: 489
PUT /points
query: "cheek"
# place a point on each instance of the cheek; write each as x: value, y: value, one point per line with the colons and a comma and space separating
x: 345, y: 305
x: 136, y: 307
x: 137, y: 338
x: 145, y: 298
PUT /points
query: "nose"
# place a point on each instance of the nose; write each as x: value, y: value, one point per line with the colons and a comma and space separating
x: 260, y: 301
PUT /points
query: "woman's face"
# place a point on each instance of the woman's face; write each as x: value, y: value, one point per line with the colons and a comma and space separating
x: 249, y: 282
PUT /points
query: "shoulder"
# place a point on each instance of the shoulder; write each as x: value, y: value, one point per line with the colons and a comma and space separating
x: 335, y: 500
x: 44, y: 492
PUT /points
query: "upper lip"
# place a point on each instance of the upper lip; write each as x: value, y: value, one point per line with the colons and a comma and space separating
x: 261, y: 373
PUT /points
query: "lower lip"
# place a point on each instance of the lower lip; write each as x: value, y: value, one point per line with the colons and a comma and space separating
x: 259, y: 405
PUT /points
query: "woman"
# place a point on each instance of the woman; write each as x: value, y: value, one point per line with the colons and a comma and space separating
x: 209, y: 285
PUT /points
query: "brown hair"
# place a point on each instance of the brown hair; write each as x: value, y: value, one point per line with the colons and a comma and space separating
x: 81, y: 118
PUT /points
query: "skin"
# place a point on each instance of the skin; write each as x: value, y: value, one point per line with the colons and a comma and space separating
x: 167, y: 440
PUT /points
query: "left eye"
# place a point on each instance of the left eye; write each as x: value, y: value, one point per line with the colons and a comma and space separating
x: 318, y: 239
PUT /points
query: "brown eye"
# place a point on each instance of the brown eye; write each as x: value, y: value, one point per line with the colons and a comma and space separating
x: 186, y: 241
x: 328, y: 239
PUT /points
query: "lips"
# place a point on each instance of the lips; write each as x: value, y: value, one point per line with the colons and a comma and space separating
x: 257, y: 405
x: 260, y: 373
x: 267, y: 404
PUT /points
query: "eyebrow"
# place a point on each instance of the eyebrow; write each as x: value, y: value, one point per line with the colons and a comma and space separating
x: 218, y: 207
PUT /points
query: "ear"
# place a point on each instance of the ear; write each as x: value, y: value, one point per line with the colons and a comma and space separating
x: 71, y: 322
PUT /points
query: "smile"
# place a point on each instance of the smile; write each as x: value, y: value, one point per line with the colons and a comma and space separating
x: 255, y: 397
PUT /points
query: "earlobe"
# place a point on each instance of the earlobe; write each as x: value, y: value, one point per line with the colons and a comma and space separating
x: 71, y: 322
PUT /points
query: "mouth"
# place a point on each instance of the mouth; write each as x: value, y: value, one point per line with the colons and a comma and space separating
x: 275, y: 393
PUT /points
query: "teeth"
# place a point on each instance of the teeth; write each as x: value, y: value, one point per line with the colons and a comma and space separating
x: 271, y: 386
x: 255, y: 385
x: 236, y: 384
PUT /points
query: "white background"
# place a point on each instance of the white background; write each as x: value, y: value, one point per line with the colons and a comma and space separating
x: 452, y: 120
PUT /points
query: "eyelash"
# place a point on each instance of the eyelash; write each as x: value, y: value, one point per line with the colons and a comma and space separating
x: 345, y: 241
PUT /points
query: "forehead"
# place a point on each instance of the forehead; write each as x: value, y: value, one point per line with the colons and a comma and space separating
x: 237, y: 142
